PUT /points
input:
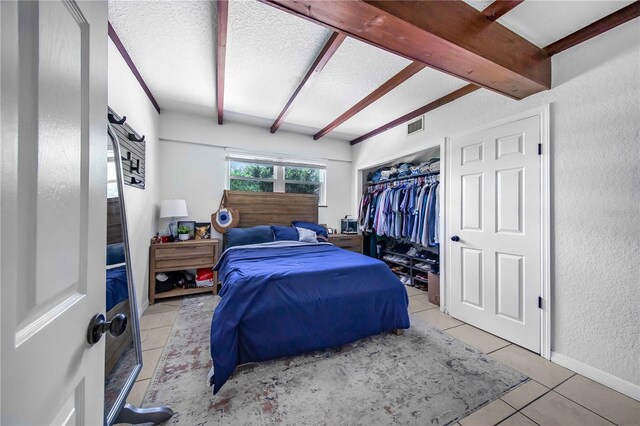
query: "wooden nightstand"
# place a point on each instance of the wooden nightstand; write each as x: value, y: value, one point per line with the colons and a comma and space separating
x: 351, y: 242
x: 179, y: 256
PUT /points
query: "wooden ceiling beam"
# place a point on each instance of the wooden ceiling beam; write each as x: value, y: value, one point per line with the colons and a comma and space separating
x: 134, y: 70
x: 499, y: 8
x: 495, y: 10
x: 449, y: 36
x: 420, y: 111
x: 600, y: 26
x: 221, y: 55
x: 385, y: 88
x: 325, y: 54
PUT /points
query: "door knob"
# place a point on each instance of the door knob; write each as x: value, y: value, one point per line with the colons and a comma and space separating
x: 99, y: 325
x: 455, y: 238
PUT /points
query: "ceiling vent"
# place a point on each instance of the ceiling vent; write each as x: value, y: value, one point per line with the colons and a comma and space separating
x: 415, y: 126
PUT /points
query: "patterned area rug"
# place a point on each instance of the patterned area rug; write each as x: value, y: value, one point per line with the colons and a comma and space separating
x: 422, y: 377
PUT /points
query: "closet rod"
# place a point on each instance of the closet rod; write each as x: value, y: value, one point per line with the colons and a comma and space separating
x: 382, y: 182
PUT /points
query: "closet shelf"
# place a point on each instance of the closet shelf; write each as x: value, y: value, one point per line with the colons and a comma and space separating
x: 382, y: 182
x: 419, y: 259
x: 396, y: 263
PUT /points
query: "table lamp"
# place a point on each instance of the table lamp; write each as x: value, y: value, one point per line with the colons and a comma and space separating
x: 173, y: 209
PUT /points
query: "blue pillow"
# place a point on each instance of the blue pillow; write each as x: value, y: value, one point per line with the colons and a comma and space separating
x: 115, y: 254
x: 285, y: 233
x: 244, y: 236
x: 319, y: 230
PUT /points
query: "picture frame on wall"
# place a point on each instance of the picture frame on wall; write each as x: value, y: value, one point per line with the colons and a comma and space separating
x: 189, y: 224
x: 203, y: 230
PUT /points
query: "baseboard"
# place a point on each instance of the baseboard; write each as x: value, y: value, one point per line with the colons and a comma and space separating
x: 143, y: 308
x: 613, y: 382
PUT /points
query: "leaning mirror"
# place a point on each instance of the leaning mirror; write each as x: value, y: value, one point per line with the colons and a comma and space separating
x: 123, y: 355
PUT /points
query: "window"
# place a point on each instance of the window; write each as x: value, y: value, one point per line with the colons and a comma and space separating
x: 269, y: 175
x: 112, y: 177
x: 251, y: 177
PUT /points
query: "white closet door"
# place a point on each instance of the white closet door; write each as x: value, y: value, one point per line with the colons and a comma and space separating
x: 53, y: 168
x: 495, y: 212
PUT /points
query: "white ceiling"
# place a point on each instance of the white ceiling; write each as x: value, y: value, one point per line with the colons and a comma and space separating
x: 544, y: 22
x: 172, y: 45
x: 268, y: 52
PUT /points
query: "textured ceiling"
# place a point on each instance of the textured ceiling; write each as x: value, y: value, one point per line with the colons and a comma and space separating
x: 172, y: 45
x: 353, y: 72
x: 544, y: 22
x: 418, y: 91
x: 268, y: 52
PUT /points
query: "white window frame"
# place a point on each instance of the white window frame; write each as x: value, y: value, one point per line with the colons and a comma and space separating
x: 112, y: 180
x: 279, y: 165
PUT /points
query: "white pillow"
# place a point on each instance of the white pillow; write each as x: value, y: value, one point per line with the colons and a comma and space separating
x: 307, y: 235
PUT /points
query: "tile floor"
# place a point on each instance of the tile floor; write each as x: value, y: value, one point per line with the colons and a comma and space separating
x: 553, y: 396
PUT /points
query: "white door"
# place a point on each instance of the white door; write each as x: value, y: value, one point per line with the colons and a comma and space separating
x: 495, y: 211
x: 53, y: 180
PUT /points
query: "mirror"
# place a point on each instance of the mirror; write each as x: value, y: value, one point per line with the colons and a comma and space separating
x: 123, y: 354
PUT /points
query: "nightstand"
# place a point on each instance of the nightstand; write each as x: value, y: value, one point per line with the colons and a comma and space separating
x: 351, y: 242
x: 179, y: 256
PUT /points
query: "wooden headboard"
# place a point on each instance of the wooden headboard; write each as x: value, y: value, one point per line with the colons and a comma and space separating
x: 114, y: 221
x: 272, y: 208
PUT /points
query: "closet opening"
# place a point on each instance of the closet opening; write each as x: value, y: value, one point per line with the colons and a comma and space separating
x: 399, y: 217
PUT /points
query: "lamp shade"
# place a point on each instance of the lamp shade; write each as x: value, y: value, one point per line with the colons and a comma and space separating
x: 173, y: 208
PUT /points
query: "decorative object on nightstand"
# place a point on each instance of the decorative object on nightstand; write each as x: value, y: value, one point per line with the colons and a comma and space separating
x: 351, y: 242
x: 183, y: 233
x: 180, y: 256
x: 203, y: 230
x: 191, y: 225
x: 171, y: 209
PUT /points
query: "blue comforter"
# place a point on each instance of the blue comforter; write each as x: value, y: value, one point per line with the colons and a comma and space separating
x: 117, y: 287
x: 286, y: 298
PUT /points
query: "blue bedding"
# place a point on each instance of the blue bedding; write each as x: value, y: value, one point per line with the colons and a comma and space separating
x: 117, y: 288
x: 287, y: 298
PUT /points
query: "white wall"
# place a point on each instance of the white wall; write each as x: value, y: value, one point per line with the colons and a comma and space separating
x: 595, y: 114
x: 126, y: 97
x: 192, y: 162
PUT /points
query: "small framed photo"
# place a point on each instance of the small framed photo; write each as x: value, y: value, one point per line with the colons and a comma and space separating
x: 203, y: 230
x: 191, y: 224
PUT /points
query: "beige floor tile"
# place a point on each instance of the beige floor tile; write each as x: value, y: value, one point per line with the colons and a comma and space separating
x: 614, y: 406
x: 488, y: 415
x: 174, y: 301
x: 534, y: 366
x: 424, y: 298
x: 477, y: 338
x: 155, y: 337
x: 524, y: 394
x: 137, y: 392
x: 416, y: 305
x: 150, y: 360
x: 555, y: 409
x: 163, y: 319
x: 517, y: 420
x: 412, y: 291
x: 438, y: 319
x: 162, y: 307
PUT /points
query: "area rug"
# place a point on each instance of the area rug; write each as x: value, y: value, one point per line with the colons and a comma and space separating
x: 424, y: 377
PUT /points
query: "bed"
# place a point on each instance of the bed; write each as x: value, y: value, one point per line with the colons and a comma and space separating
x: 117, y: 301
x: 286, y: 298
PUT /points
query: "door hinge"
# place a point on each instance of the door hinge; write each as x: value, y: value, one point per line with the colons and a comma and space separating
x: 540, y: 302
x: 539, y: 149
